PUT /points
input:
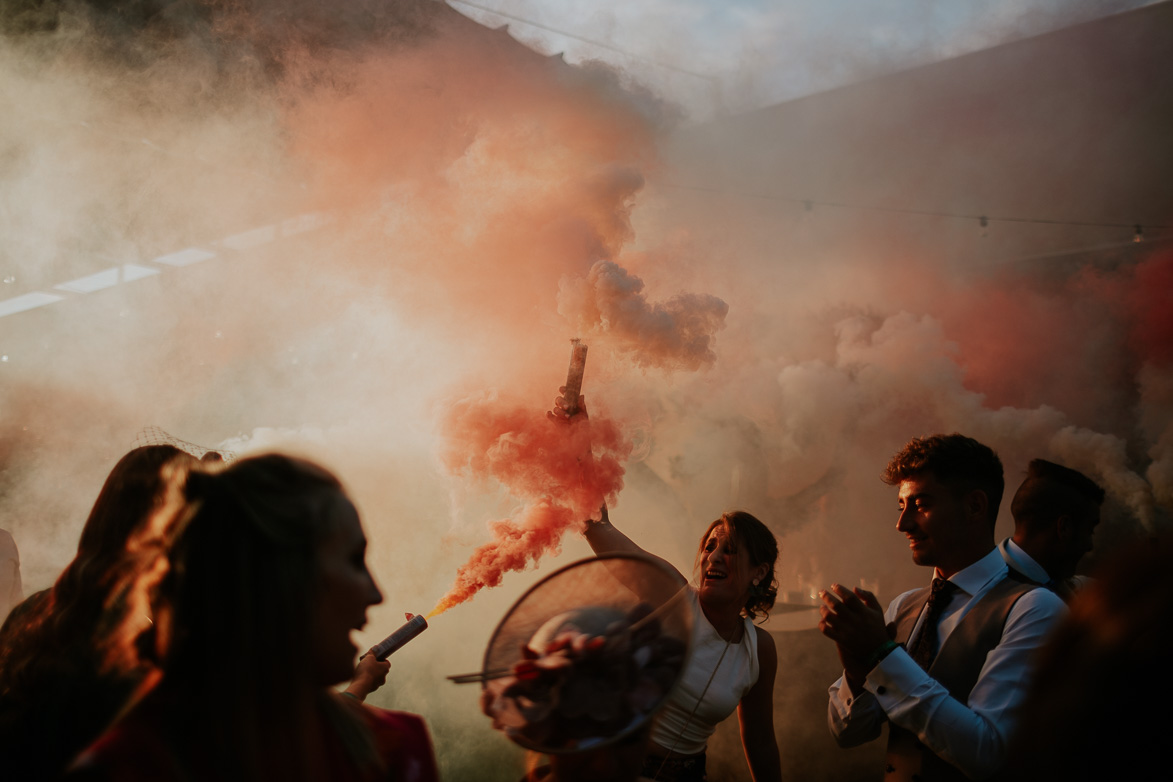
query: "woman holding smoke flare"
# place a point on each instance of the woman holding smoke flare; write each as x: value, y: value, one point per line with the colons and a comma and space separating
x: 267, y: 580
x: 733, y: 661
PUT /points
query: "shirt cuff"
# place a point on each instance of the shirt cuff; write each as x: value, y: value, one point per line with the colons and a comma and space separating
x: 899, y: 684
x: 895, y: 677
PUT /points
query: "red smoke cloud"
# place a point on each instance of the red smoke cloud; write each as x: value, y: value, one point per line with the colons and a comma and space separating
x: 561, y: 472
x: 677, y: 334
x: 474, y: 181
x: 472, y: 174
x: 1073, y: 343
x: 1150, y: 302
x: 1025, y: 345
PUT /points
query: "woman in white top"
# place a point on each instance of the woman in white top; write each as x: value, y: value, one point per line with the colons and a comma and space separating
x: 733, y: 661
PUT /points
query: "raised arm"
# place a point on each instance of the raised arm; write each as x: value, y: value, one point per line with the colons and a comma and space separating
x: 600, y: 534
x: 605, y: 539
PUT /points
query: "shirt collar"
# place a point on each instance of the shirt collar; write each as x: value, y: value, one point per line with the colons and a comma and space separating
x: 1024, y: 563
x: 973, y: 579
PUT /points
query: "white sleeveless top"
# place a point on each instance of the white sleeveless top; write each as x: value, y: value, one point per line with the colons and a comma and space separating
x: 738, y: 671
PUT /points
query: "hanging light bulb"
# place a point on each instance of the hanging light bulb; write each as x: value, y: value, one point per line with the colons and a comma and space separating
x: 985, y: 224
x: 806, y: 216
x: 1138, y: 235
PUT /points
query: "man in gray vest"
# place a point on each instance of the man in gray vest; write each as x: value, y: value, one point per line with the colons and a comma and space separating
x: 1056, y: 510
x: 947, y: 666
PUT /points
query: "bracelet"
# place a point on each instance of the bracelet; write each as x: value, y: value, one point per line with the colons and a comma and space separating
x: 352, y: 695
x: 883, y: 651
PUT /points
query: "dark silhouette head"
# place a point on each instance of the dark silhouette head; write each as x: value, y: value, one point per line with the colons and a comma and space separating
x: 131, y: 494
x: 67, y: 658
x: 243, y: 563
x: 267, y: 580
x: 1056, y: 510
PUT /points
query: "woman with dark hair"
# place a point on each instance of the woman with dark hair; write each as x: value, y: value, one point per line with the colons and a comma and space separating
x: 267, y: 581
x: 733, y: 661
x: 62, y: 679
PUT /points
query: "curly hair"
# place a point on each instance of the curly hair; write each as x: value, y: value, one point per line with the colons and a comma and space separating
x: 954, y: 459
x: 762, y: 546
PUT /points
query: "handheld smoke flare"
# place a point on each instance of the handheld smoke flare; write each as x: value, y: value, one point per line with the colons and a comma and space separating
x: 578, y: 353
x: 560, y: 473
x: 415, y: 625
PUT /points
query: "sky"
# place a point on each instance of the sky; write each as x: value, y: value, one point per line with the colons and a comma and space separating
x: 738, y: 55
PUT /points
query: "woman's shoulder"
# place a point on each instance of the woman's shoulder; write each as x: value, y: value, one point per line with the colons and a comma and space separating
x: 767, y: 649
x: 403, y: 741
x: 132, y: 750
x: 394, y: 722
x: 763, y: 635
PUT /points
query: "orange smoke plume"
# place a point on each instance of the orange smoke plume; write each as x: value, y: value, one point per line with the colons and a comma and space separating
x: 562, y: 472
x: 677, y: 334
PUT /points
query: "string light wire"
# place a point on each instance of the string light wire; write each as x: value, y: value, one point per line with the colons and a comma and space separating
x: 808, y: 203
x: 983, y: 219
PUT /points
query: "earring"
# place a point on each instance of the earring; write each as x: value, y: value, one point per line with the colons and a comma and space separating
x: 755, y: 581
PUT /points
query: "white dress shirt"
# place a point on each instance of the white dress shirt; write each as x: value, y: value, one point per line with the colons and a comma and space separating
x: 971, y: 735
x: 1024, y: 563
x: 1015, y: 557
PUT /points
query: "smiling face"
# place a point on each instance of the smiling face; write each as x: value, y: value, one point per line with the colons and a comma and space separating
x: 946, y: 528
x: 344, y: 591
x: 726, y: 572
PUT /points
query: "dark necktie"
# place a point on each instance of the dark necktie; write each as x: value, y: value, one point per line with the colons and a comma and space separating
x: 925, y: 648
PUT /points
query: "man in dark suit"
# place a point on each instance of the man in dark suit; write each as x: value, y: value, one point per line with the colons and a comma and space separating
x: 1056, y: 510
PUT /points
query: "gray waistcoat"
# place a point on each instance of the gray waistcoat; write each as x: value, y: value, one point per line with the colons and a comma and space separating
x: 956, y: 668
